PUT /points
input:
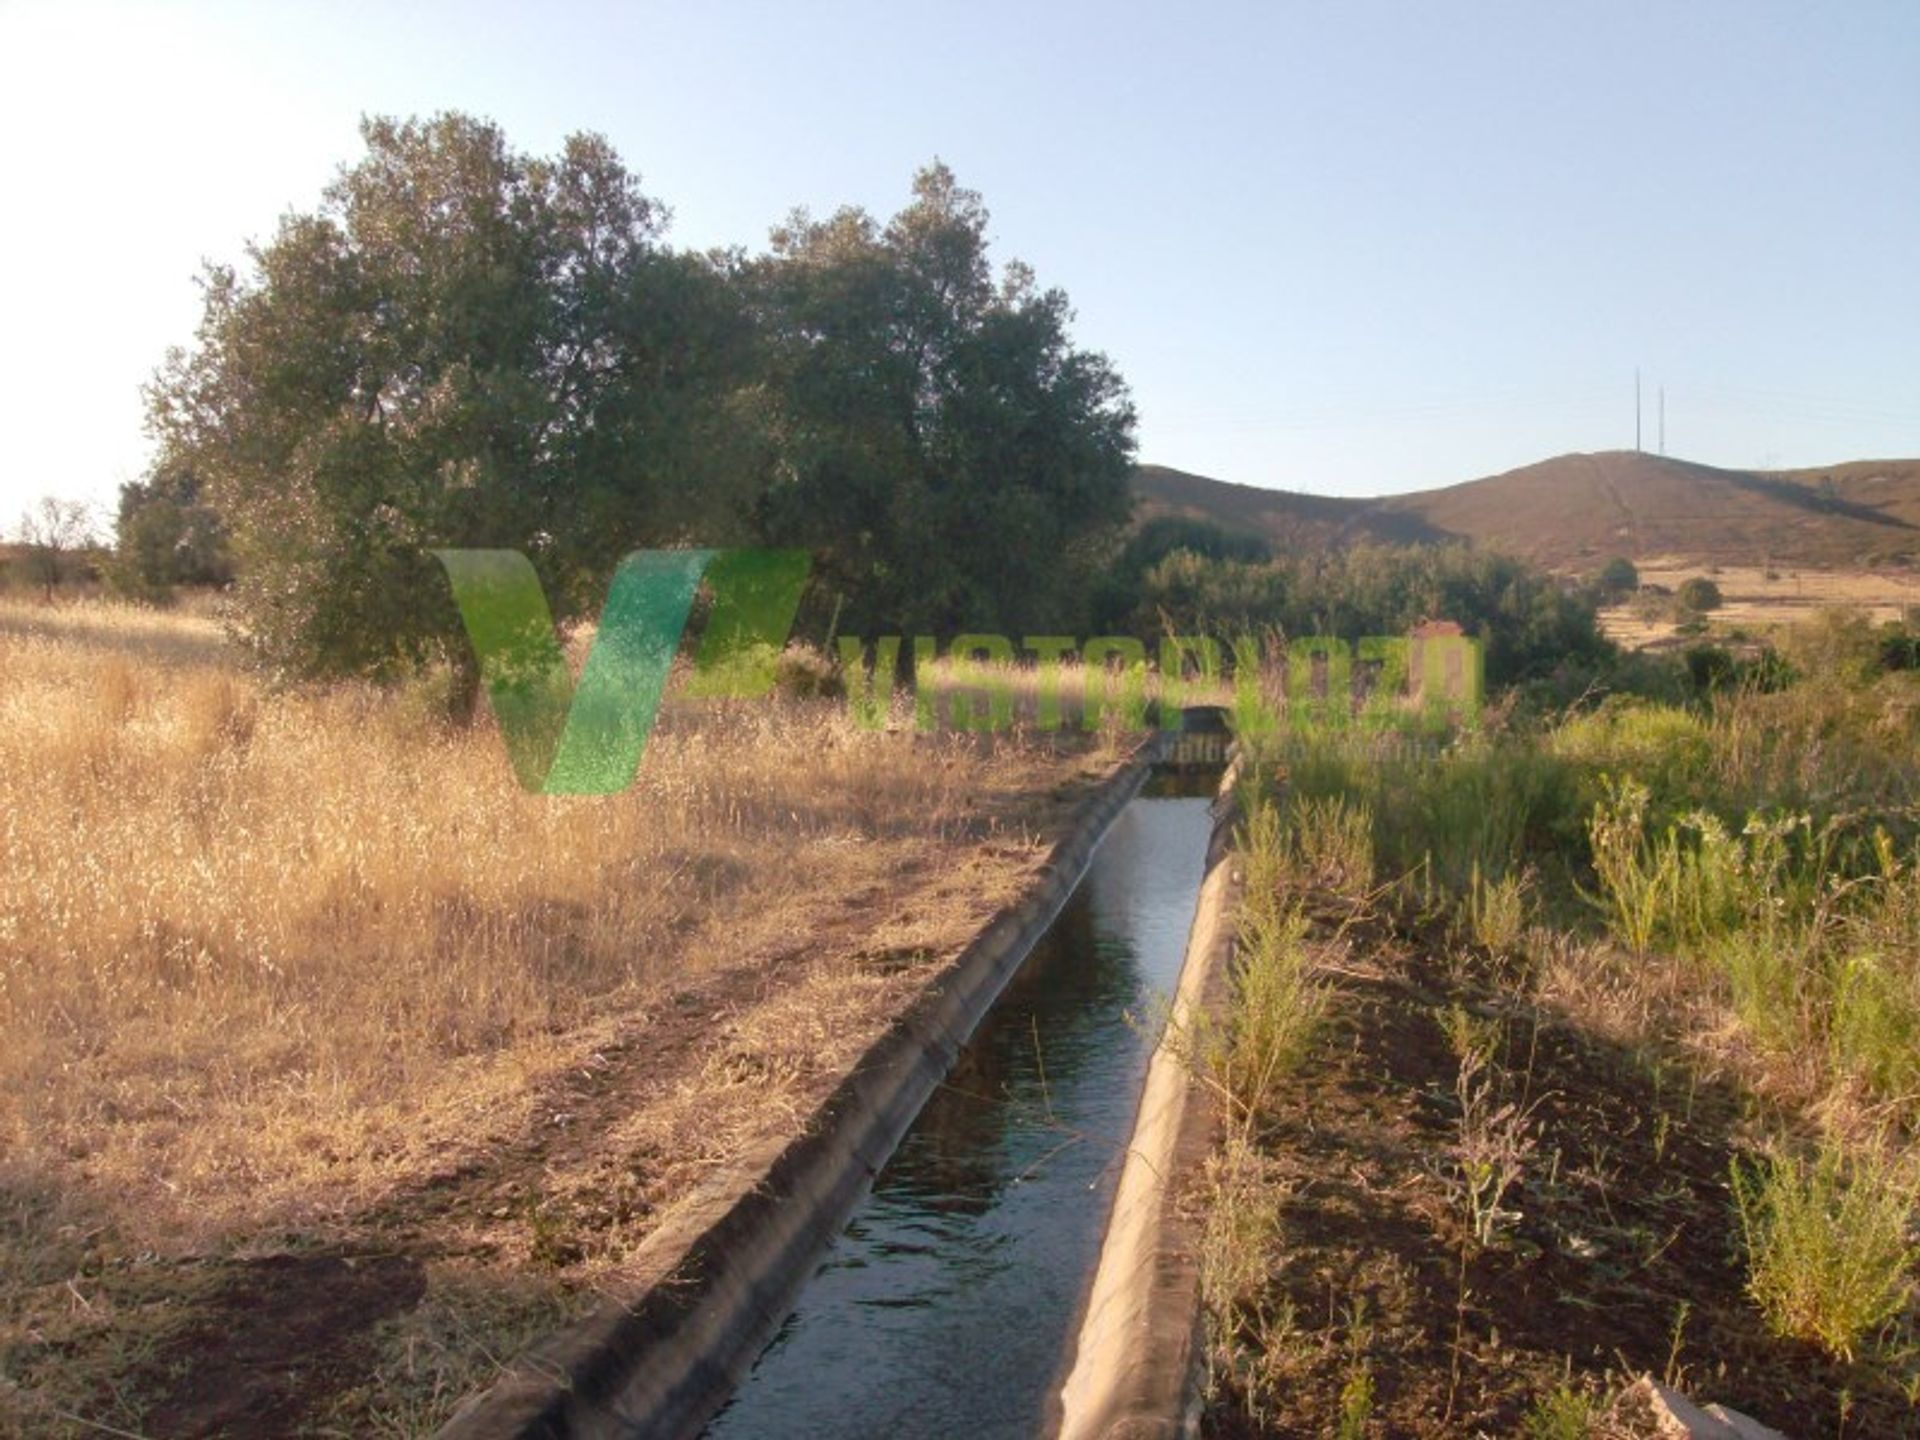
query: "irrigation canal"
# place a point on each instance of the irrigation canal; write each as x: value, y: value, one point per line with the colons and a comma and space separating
x: 948, y: 1305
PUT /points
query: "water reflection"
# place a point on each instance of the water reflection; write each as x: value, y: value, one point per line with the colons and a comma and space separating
x: 946, y: 1306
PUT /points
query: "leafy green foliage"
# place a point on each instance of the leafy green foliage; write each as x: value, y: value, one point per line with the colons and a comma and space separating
x: 1118, y: 595
x: 951, y: 459
x: 1563, y: 1414
x: 464, y: 346
x: 1275, y: 1002
x: 1529, y: 623
x: 1667, y: 749
x: 167, y: 535
x: 1874, y: 1031
x: 1617, y: 578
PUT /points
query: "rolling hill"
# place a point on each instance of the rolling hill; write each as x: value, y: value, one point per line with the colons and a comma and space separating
x: 1576, y: 511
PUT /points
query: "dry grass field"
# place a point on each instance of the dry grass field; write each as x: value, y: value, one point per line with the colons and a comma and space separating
x: 1760, y: 598
x: 318, y: 1034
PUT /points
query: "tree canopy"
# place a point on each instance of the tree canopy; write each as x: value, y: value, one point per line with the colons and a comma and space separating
x: 1698, y: 593
x: 941, y: 445
x: 1529, y: 623
x: 51, y: 532
x: 167, y: 535
x: 466, y: 346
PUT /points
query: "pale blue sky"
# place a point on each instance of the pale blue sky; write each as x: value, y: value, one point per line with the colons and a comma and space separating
x: 1347, y: 248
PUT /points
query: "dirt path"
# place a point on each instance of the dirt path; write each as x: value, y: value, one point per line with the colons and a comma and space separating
x: 1626, y: 511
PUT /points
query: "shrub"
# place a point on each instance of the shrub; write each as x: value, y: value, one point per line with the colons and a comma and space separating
x: 1491, y: 806
x: 1332, y: 842
x: 1698, y: 594
x: 1899, y: 647
x: 1564, y: 1413
x: 807, y: 673
x: 1766, y: 972
x: 1248, y: 1331
x: 1746, y: 903
x: 1827, y: 1245
x: 1668, y: 750
x: 1633, y: 882
x: 1262, y: 844
x: 1617, y: 577
x: 1494, y: 1137
x: 1529, y: 621
x: 1475, y: 812
x: 1711, y: 667
x: 1497, y: 911
x: 1835, y: 643
x: 1356, y: 1402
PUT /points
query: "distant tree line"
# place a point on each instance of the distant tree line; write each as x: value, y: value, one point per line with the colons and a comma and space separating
x: 167, y: 534
x: 1530, y: 624
x: 55, y: 538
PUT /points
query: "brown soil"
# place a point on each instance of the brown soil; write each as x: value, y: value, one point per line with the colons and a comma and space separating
x: 272, y: 1339
x: 276, y: 1334
x: 1622, y: 1260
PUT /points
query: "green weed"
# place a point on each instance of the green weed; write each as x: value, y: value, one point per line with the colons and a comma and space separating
x: 1827, y: 1240
x: 1635, y: 882
x: 1494, y: 1138
x: 1273, y: 1010
x: 1874, y: 1033
x: 1768, y: 971
x: 1332, y: 841
x: 1563, y: 1413
x: 1498, y: 911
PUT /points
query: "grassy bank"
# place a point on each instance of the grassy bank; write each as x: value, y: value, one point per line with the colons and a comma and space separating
x: 302, y: 979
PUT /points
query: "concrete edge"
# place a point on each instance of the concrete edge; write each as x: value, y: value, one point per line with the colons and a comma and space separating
x: 708, y: 1289
x: 1136, y: 1362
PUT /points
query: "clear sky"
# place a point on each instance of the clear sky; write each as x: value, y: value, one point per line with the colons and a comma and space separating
x: 1349, y: 248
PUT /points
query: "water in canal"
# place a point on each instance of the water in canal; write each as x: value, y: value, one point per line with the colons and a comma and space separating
x: 947, y: 1306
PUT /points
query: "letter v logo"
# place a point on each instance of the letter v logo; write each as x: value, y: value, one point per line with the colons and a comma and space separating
x: 565, y: 739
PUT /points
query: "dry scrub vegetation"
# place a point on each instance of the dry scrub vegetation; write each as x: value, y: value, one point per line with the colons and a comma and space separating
x: 275, y: 966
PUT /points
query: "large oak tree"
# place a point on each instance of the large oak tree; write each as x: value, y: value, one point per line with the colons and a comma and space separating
x: 461, y: 346
x: 953, y: 459
x: 466, y: 346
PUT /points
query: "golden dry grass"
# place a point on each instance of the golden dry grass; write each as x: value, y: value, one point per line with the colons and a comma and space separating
x: 269, y: 959
x: 1758, y: 598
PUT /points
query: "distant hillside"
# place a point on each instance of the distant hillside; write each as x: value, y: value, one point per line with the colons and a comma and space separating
x: 1576, y: 511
